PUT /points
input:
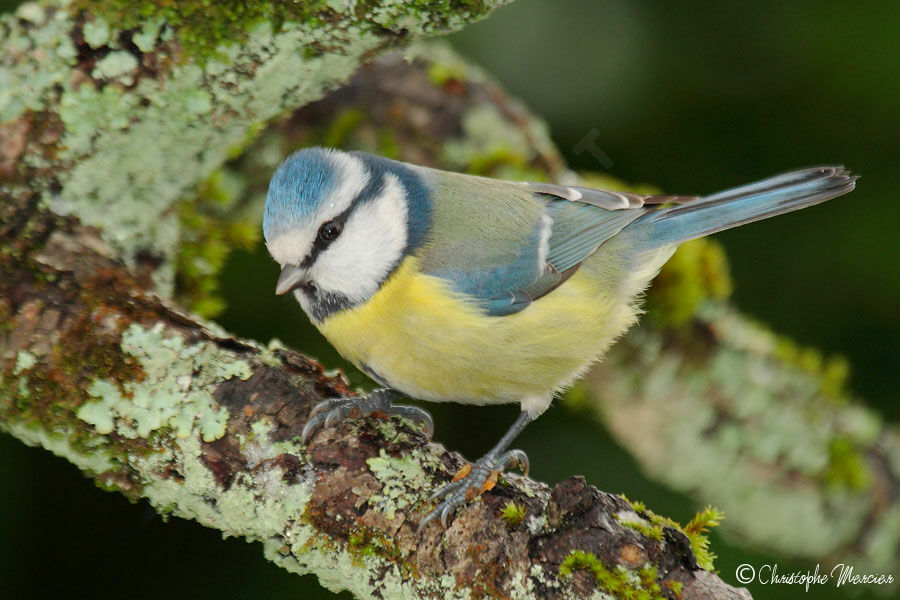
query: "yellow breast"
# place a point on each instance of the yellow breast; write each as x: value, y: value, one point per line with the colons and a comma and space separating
x: 430, y: 342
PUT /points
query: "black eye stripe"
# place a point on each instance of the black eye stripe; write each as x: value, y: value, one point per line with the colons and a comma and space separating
x: 372, y: 190
x: 320, y: 244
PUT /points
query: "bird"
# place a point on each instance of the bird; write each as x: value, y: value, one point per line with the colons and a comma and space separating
x: 451, y: 287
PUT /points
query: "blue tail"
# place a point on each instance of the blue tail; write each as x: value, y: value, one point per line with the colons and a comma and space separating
x: 745, y: 204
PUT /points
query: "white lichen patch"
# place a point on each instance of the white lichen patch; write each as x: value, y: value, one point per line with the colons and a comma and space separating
x: 338, y: 570
x: 537, y: 524
x: 175, y: 393
x: 96, y: 32
x: 145, y: 38
x: 116, y: 65
x: 32, y: 12
x: 258, y: 504
x: 24, y: 361
x: 38, y: 61
x: 58, y: 443
x: 85, y: 111
x: 101, y: 414
x: 399, y: 476
x: 629, y: 516
x: 546, y: 578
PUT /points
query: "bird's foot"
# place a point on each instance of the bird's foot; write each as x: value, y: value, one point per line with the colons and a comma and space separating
x: 377, y: 402
x: 471, y: 481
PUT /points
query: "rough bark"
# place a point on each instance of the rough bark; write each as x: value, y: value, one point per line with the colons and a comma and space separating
x: 108, y: 129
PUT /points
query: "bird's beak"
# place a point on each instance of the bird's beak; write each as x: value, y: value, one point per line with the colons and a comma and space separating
x: 291, y: 277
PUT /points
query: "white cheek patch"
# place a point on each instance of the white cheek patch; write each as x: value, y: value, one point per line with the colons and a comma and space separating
x: 293, y: 246
x: 372, y: 242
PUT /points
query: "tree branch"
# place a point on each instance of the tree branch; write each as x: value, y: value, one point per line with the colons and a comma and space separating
x: 151, y: 402
x: 739, y: 418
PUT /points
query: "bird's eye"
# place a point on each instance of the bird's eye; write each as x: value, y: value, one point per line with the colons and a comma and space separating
x: 330, y: 230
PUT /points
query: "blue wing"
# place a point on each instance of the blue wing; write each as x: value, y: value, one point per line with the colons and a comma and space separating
x: 509, y: 244
x: 576, y: 231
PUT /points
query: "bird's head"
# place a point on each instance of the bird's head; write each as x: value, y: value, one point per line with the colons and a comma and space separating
x: 339, y: 223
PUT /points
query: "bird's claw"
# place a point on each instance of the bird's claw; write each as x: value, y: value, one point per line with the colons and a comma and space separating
x: 471, y: 481
x: 334, y: 410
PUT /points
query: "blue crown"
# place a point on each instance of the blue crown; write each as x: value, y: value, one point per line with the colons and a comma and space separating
x: 296, y: 189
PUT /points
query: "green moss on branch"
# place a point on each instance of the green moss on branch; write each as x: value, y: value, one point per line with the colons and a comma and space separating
x: 204, y: 28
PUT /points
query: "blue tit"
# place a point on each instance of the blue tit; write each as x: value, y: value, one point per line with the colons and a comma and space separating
x: 450, y: 287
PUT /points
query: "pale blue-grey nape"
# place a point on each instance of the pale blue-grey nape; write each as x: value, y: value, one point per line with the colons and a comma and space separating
x: 298, y: 186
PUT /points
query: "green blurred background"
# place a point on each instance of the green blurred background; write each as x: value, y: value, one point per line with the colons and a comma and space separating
x: 690, y: 96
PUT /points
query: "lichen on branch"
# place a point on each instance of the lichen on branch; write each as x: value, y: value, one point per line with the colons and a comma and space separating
x: 154, y: 403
